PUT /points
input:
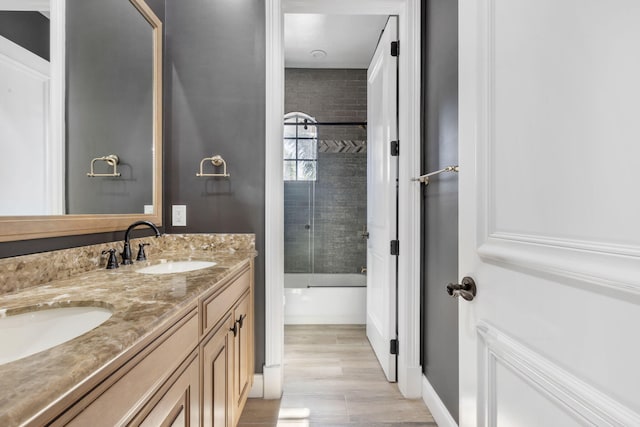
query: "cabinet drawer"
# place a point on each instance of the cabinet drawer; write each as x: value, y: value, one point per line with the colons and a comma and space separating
x: 120, y: 395
x: 217, y: 305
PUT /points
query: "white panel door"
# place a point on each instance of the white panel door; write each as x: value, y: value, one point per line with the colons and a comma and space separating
x: 24, y: 132
x: 382, y: 174
x: 550, y: 212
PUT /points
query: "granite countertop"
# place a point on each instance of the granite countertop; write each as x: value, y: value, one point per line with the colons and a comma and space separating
x: 141, y: 303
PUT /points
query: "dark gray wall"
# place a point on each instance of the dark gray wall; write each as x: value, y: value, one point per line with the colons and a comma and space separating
x: 336, y: 203
x: 440, y: 201
x: 109, y: 106
x: 214, y: 68
x: 27, y: 29
x: 24, y: 247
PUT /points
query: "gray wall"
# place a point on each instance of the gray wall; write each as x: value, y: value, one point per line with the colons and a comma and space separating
x: 336, y: 203
x: 109, y: 106
x: 27, y: 29
x: 440, y: 201
x: 215, y: 104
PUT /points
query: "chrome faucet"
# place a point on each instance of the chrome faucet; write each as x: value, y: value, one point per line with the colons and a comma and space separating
x: 126, y: 252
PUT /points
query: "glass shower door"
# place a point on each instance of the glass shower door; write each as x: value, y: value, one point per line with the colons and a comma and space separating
x: 298, y: 230
x: 300, y: 164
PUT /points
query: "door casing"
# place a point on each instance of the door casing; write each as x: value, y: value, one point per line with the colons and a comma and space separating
x: 408, y: 12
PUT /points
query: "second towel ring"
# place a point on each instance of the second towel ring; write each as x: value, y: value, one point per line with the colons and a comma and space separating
x: 216, y: 161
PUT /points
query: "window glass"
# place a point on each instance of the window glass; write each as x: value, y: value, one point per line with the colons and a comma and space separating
x: 300, y: 149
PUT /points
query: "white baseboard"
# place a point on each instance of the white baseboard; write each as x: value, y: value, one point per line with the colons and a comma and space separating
x: 440, y: 413
x: 410, y: 381
x: 272, y: 382
x: 257, y: 390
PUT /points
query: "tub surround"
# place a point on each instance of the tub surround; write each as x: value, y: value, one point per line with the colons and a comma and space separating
x: 141, y: 305
x: 325, y: 299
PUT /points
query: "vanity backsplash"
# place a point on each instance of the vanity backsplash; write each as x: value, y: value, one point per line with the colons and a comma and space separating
x: 22, y: 272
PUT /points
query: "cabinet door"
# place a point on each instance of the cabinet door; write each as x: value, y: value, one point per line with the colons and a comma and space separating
x: 217, y: 365
x: 243, y: 352
x: 177, y: 402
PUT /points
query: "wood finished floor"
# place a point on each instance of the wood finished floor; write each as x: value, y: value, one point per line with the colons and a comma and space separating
x: 332, y: 379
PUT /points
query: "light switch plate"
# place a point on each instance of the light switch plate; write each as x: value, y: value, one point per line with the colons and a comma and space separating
x: 148, y: 209
x: 179, y: 215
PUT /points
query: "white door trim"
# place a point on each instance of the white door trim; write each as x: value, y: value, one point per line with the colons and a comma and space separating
x: 408, y: 11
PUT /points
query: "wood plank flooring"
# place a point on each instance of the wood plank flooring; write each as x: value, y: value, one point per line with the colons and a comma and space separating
x: 333, y: 379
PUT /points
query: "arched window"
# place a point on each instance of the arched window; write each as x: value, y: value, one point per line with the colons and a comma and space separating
x: 300, y: 147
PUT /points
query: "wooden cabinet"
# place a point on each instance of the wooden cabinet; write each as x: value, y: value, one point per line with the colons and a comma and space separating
x: 197, y: 371
x: 177, y: 403
x: 227, y: 354
x: 217, y: 362
x: 243, y: 354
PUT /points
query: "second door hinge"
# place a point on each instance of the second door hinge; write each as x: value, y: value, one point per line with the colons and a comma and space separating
x: 395, y: 148
x: 395, y: 247
x: 393, y: 346
x: 395, y: 48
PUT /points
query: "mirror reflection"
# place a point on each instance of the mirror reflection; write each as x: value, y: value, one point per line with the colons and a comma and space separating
x: 76, y: 87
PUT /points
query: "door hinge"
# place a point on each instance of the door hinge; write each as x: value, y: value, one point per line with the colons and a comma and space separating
x: 393, y: 346
x: 395, y: 48
x: 395, y: 247
x: 395, y: 148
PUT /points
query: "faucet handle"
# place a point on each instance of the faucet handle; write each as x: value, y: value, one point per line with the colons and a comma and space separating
x: 142, y: 256
x: 112, y: 261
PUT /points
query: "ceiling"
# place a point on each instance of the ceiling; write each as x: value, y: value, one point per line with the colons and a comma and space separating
x: 348, y: 40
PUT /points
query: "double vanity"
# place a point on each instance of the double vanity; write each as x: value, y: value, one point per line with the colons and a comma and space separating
x: 168, y: 341
x: 173, y: 343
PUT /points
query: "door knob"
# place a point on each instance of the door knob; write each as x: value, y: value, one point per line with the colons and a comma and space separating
x: 466, y: 290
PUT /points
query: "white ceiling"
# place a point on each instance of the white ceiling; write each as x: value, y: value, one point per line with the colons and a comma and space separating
x: 348, y: 40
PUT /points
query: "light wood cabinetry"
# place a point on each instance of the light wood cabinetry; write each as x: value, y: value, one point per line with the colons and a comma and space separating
x: 243, y: 354
x: 197, y: 371
x: 227, y: 349
x: 176, y: 404
x: 217, y: 364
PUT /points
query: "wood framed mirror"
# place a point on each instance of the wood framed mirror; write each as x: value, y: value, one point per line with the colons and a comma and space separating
x: 68, y: 217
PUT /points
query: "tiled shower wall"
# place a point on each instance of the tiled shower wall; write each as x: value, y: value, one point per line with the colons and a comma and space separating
x: 336, y: 204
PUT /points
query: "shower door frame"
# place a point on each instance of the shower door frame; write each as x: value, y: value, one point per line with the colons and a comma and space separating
x: 270, y: 384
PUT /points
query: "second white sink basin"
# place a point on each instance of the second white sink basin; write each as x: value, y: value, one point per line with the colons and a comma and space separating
x: 175, y: 267
x: 28, y: 333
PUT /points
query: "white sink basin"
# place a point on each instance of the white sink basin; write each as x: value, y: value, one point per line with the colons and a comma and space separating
x: 28, y: 333
x: 175, y: 267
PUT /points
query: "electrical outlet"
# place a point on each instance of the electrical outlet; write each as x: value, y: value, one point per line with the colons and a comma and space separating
x: 179, y: 215
x: 148, y: 209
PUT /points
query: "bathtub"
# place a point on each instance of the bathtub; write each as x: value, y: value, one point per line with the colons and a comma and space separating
x: 324, y: 299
